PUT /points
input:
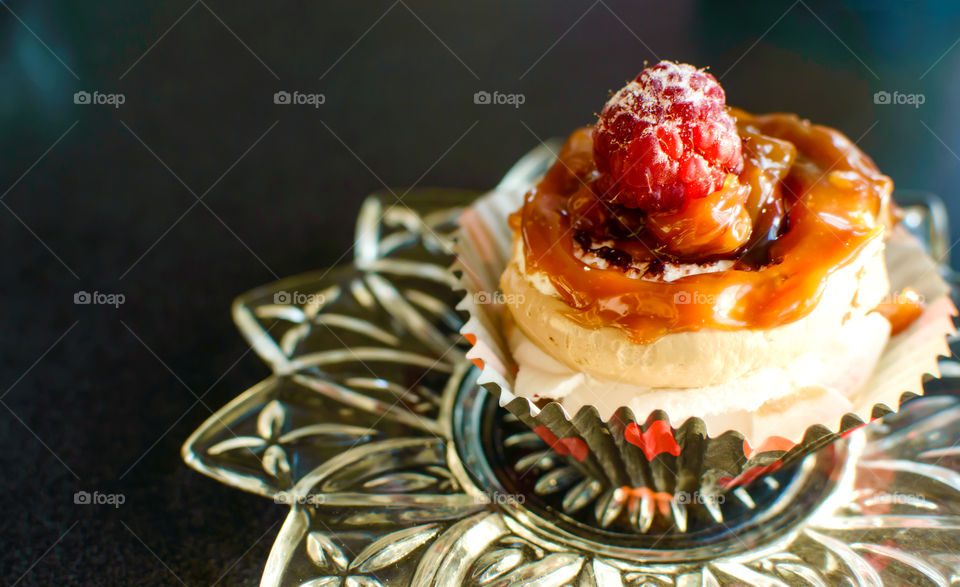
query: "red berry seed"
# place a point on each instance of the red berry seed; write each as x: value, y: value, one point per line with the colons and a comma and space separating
x: 666, y: 137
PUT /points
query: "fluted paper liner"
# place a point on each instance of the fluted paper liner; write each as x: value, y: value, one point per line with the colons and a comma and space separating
x: 648, y: 453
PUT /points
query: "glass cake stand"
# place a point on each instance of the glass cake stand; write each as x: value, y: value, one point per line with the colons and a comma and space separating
x: 398, y: 469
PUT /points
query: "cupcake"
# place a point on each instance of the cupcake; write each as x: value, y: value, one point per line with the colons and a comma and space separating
x: 687, y: 272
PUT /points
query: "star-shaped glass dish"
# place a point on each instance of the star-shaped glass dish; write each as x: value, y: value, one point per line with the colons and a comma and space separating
x: 398, y: 470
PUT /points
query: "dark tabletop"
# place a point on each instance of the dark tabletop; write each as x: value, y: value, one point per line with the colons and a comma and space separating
x: 198, y: 187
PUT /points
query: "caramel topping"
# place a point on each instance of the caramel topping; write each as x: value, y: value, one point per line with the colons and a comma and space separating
x: 716, y: 224
x: 902, y: 310
x: 806, y: 203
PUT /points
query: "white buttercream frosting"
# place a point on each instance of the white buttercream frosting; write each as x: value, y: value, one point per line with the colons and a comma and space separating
x: 816, y: 386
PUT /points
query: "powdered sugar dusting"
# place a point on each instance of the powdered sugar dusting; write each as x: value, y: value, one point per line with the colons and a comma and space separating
x: 667, y: 137
x: 638, y: 270
x: 665, y: 84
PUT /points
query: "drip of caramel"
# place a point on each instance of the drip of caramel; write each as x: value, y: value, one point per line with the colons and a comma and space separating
x: 814, y: 201
x: 902, y: 310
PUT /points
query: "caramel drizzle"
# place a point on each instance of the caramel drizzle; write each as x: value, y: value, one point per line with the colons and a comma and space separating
x: 815, y: 201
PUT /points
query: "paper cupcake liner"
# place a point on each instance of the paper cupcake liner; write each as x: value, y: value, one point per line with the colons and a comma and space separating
x: 648, y: 453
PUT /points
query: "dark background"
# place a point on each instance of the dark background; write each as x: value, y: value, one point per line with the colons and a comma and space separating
x: 100, y: 198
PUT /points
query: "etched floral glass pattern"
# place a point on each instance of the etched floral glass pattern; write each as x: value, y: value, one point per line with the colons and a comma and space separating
x: 367, y: 431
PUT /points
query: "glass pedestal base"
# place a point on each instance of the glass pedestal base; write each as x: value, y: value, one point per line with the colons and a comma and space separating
x: 398, y: 470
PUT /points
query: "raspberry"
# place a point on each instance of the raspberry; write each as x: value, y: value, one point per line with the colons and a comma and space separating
x: 666, y: 137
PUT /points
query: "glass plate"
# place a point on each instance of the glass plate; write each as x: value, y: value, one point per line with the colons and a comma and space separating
x: 398, y: 470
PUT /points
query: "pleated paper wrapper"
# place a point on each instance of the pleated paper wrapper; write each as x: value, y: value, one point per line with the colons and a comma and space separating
x: 650, y: 452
